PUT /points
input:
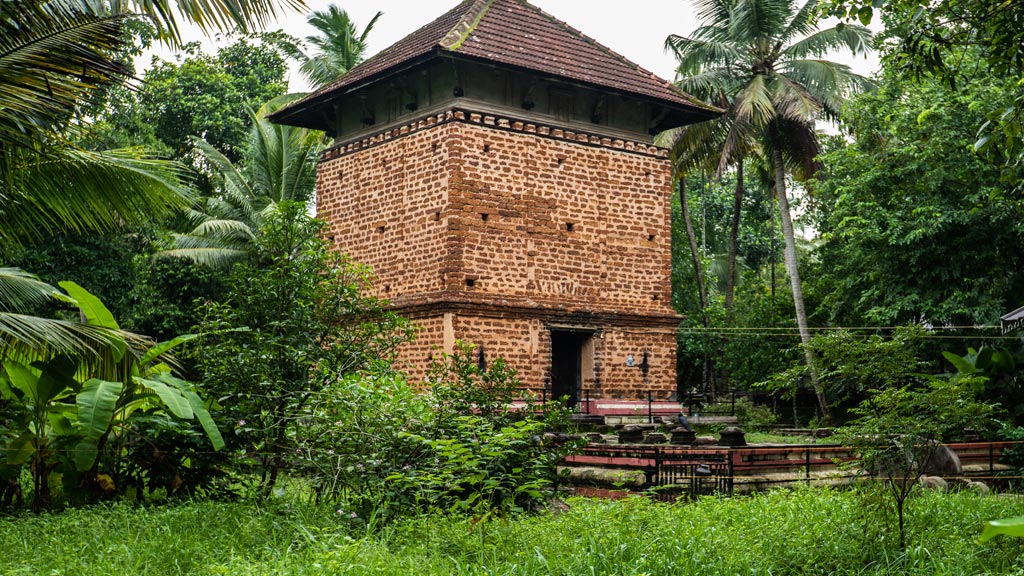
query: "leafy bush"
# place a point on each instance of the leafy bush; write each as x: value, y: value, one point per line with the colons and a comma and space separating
x: 295, y: 321
x: 753, y: 416
x: 897, y: 432
x: 461, y: 386
x: 70, y: 423
x: 384, y: 449
x: 357, y: 432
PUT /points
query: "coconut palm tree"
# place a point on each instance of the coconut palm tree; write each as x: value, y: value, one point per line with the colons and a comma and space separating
x: 339, y: 44
x: 53, y: 59
x: 57, y: 57
x: 279, y: 165
x: 766, y: 58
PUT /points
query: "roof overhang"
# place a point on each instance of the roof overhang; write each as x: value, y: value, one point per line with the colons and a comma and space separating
x: 312, y: 111
x: 1013, y: 321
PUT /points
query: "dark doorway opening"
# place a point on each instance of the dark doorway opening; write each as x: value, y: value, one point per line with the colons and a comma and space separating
x: 567, y: 351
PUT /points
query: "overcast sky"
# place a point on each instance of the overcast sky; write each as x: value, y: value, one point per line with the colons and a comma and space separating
x: 635, y: 29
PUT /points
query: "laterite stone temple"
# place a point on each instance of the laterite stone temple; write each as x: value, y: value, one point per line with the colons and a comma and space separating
x: 496, y: 169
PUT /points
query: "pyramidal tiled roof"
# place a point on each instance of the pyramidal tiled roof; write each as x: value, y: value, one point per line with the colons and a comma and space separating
x: 516, y: 33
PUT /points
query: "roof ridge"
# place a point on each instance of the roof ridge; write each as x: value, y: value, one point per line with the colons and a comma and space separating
x: 461, y: 31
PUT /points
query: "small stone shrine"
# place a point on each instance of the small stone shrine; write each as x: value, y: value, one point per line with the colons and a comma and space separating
x: 496, y: 169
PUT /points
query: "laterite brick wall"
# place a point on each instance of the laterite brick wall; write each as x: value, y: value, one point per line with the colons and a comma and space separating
x: 509, y: 227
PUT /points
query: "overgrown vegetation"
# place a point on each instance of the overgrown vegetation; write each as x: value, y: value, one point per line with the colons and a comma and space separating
x: 289, y: 397
x: 72, y: 426
x: 800, y: 532
x: 296, y: 319
x: 384, y: 450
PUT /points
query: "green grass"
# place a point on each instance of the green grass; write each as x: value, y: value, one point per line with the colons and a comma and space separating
x: 768, y: 438
x: 799, y: 532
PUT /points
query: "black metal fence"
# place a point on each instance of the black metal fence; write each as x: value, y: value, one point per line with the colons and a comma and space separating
x: 673, y: 472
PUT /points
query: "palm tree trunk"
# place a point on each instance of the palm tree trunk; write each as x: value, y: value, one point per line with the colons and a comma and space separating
x: 786, y: 223
x: 734, y: 232
x: 691, y: 235
x: 702, y: 289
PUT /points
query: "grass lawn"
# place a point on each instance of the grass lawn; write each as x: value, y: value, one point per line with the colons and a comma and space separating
x: 785, y: 532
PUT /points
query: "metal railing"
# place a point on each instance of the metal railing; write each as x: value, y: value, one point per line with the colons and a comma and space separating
x: 672, y: 472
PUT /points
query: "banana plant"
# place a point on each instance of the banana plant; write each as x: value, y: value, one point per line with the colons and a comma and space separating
x: 43, y: 424
x: 67, y: 414
x: 1002, y: 527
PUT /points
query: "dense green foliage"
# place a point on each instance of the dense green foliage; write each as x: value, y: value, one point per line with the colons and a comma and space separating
x: 897, y: 431
x: 744, y: 350
x: 931, y: 39
x: 71, y: 426
x: 278, y: 165
x: 51, y: 184
x: 295, y: 319
x: 915, y: 227
x: 905, y: 224
x: 199, y: 95
x: 803, y: 532
x: 385, y: 450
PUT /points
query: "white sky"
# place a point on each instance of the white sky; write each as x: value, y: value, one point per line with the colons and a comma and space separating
x: 635, y: 29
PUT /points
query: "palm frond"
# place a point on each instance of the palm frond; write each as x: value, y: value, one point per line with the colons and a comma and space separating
x: 830, y: 83
x: 340, y: 46
x: 693, y: 148
x: 716, y: 85
x: 208, y: 15
x: 235, y: 188
x: 792, y: 100
x: 214, y: 257
x: 853, y: 38
x: 751, y: 21
x: 280, y: 165
x: 223, y: 230
x: 282, y: 159
x: 803, y: 23
x: 798, y: 143
x: 53, y: 56
x: 753, y: 103
x: 31, y: 338
x: 68, y: 189
x: 19, y: 289
x: 695, y: 56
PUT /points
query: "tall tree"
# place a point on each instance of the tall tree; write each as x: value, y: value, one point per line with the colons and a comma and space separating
x: 210, y: 96
x: 710, y: 148
x: 932, y: 37
x: 917, y: 229
x: 766, y: 57
x: 339, y: 46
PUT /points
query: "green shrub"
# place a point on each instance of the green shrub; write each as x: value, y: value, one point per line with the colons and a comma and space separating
x: 752, y: 416
x: 296, y: 319
x: 384, y: 450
